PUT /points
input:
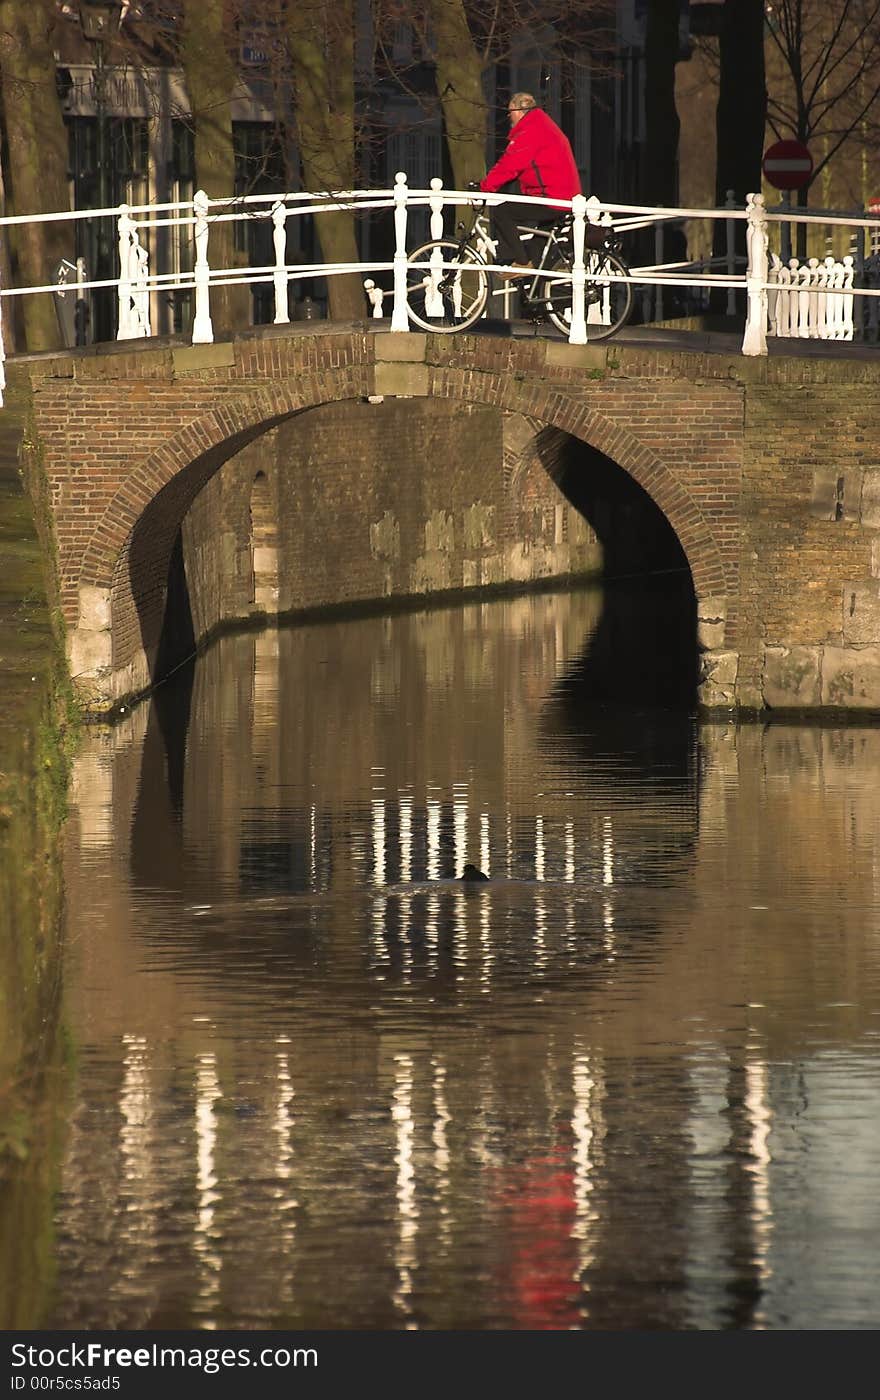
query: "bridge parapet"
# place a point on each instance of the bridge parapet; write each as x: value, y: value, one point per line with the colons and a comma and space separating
x: 755, y: 284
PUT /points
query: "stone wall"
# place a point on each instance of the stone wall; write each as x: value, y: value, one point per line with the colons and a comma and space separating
x: 811, y: 540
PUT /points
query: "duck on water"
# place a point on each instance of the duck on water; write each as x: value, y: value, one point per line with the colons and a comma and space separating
x: 471, y: 875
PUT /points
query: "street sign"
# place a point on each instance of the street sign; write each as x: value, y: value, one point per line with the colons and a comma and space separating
x: 787, y: 165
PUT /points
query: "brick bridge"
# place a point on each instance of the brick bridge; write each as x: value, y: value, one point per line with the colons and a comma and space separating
x: 294, y: 468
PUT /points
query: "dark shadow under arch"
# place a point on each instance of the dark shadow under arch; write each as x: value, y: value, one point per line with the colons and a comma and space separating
x: 646, y: 641
x: 151, y: 563
x: 635, y: 534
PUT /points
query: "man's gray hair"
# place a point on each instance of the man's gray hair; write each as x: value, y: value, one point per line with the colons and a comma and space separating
x: 521, y: 102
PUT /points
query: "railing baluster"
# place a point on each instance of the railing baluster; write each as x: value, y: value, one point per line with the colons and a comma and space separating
x: 846, y: 298
x: 730, y: 249
x: 203, y: 330
x: 433, y: 296
x: 755, y: 337
x: 804, y: 302
x: 773, y: 298
x: 577, y: 334
x: 783, y: 315
x: 375, y: 296
x: 596, y: 310
x: 793, y: 297
x: 815, y: 297
x: 399, y: 317
x: 124, y: 227
x: 138, y: 261
x: 279, y: 276
x: 133, y: 291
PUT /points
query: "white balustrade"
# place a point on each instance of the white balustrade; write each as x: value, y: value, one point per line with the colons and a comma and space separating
x: 812, y: 300
x: 203, y: 330
x: 279, y: 276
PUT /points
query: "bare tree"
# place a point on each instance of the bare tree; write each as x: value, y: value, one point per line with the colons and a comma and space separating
x: 662, y: 52
x: 459, y: 82
x: 823, y: 75
x: 742, y: 100
x: 320, y: 39
x: 207, y: 44
x: 465, y: 39
x: 35, y: 164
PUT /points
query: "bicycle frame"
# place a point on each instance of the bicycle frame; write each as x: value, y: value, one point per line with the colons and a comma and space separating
x: 479, y: 238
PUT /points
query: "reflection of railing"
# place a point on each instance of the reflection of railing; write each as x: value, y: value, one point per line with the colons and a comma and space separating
x: 136, y: 283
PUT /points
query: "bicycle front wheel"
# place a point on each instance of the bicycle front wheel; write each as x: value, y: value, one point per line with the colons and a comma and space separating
x: 607, y: 300
x: 445, y: 298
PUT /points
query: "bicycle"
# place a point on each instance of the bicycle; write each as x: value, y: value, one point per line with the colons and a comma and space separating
x: 448, y: 290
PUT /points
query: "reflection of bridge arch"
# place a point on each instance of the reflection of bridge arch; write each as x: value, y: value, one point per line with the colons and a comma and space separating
x: 130, y: 546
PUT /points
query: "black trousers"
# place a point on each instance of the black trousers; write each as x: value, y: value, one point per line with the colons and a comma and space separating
x: 505, y: 218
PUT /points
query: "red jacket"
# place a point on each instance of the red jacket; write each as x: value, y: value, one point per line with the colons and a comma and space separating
x: 538, y: 154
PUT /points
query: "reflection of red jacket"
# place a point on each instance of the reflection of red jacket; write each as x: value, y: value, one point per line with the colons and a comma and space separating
x: 539, y: 156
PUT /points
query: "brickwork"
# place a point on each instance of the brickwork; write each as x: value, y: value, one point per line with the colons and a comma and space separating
x: 766, y: 471
x: 811, y: 561
x: 360, y: 475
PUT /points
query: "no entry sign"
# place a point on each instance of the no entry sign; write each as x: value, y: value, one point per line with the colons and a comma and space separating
x: 787, y: 165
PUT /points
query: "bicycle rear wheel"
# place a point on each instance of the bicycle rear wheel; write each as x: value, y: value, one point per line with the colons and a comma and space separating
x: 447, y: 298
x: 607, y: 301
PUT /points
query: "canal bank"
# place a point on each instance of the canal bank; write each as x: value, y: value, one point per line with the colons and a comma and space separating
x: 35, y: 739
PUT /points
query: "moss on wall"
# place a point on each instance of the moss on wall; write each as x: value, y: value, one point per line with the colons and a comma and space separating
x: 37, y: 732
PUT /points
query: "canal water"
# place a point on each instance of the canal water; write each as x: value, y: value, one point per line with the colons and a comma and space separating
x: 633, y: 1081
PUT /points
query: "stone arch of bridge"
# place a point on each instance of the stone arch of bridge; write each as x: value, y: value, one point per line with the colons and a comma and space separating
x: 183, y: 464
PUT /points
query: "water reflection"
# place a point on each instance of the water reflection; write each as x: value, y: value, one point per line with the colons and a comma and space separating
x: 600, y: 1091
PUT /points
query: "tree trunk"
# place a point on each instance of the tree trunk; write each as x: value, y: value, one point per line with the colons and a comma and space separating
x: 36, y: 174
x: 460, y: 90
x: 660, y: 179
x: 661, y: 115
x: 742, y: 111
x: 211, y: 80
x: 742, y: 100
x: 321, y: 42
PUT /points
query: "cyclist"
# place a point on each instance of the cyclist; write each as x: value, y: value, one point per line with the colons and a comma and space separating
x: 538, y: 155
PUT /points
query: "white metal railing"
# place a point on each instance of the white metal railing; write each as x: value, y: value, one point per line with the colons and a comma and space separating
x: 812, y: 300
